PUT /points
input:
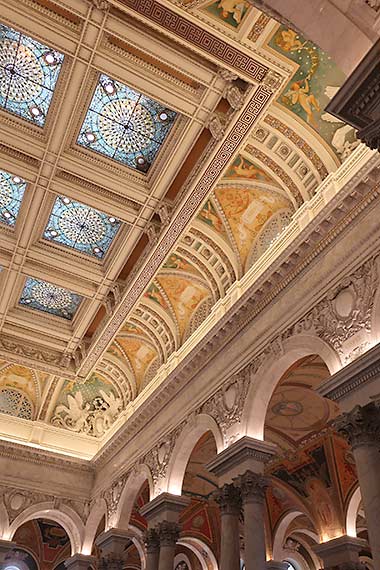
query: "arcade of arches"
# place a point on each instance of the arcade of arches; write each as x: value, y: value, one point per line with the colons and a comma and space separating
x: 189, y: 284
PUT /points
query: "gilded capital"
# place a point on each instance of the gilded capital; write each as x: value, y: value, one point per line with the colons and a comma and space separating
x: 168, y: 533
x: 228, y: 498
x: 252, y: 486
x: 361, y: 426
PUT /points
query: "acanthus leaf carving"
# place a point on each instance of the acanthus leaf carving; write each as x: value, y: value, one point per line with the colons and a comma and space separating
x: 93, y: 418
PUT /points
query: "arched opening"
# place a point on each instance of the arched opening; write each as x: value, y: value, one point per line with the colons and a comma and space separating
x: 311, y: 475
x: 184, y: 449
x: 41, y: 544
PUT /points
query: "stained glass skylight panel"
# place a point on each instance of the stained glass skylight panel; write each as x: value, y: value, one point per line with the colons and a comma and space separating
x: 46, y: 297
x: 29, y: 72
x: 125, y: 125
x: 80, y: 227
x: 12, y: 189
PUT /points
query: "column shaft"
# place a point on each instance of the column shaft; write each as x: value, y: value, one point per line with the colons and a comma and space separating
x: 367, y: 459
x: 169, y: 533
x: 252, y: 486
x: 255, y: 552
x: 361, y: 427
x: 228, y: 498
x: 152, y: 542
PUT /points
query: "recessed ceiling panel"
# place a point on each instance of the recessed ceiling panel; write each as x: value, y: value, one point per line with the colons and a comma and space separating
x: 46, y: 297
x: 80, y: 227
x: 12, y: 189
x: 28, y: 75
x: 125, y: 125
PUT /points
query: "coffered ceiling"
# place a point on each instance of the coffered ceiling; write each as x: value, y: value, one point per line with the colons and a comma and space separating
x: 149, y: 154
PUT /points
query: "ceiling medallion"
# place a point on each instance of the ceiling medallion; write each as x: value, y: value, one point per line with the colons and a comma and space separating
x: 125, y: 125
x: 44, y: 296
x: 80, y: 227
x: 29, y: 72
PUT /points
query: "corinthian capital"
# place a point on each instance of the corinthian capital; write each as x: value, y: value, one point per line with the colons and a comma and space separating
x: 361, y: 426
x: 228, y: 498
x: 252, y: 486
x: 152, y: 540
x: 168, y: 532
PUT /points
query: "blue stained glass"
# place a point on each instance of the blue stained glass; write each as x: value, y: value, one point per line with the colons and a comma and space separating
x: 83, y: 228
x: 44, y: 296
x: 12, y: 189
x: 125, y: 125
x: 28, y: 74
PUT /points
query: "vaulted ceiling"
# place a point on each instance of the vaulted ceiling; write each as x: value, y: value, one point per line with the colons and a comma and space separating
x: 137, y: 186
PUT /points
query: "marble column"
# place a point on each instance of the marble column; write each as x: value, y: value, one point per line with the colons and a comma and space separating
x: 229, y: 500
x: 252, y: 487
x: 112, y: 544
x: 162, y: 514
x: 152, y: 543
x: 341, y: 553
x: 361, y: 427
x: 168, y: 531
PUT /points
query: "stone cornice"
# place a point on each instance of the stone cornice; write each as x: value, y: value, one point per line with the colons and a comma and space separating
x: 237, y: 453
x: 350, y: 378
x: 42, y: 457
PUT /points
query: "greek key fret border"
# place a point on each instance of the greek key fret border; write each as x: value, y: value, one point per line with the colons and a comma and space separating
x: 220, y: 161
x: 200, y: 38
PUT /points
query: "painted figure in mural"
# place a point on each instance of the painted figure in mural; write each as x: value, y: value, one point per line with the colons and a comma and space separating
x: 236, y: 8
x: 288, y: 40
x: 244, y: 169
x: 299, y: 92
x: 209, y: 216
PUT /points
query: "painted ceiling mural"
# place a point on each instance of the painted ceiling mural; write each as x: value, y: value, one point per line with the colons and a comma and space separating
x: 240, y: 219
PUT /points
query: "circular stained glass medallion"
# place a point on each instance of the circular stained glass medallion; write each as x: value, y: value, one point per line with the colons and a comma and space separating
x: 82, y: 225
x: 22, y: 74
x: 50, y: 296
x: 126, y: 125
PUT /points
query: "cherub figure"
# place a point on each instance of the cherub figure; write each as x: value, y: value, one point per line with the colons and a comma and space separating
x: 235, y: 7
x: 288, y: 40
x: 299, y: 92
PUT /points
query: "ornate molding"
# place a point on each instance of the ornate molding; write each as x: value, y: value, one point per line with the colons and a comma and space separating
x: 92, y: 418
x: 221, y: 158
x: 252, y: 486
x: 152, y: 541
x: 212, y: 45
x: 361, y: 426
x: 352, y: 202
x: 226, y: 405
x: 168, y: 532
x: 229, y: 500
